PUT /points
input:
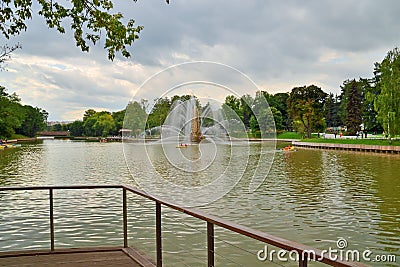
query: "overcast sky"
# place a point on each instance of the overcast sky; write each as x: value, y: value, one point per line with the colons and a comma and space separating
x: 278, y: 44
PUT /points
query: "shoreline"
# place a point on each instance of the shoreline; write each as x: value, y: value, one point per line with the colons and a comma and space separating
x: 350, y: 147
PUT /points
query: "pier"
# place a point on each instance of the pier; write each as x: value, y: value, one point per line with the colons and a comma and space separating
x: 126, y: 255
x: 349, y: 147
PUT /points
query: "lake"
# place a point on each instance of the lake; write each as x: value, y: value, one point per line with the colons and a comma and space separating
x: 313, y: 197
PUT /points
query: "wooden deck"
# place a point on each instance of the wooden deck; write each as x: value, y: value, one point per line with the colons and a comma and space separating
x: 123, y: 257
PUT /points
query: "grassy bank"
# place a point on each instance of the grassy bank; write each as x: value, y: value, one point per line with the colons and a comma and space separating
x: 289, y: 135
x: 353, y: 141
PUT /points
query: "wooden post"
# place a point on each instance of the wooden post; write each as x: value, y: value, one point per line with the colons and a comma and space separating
x: 210, y: 244
x: 125, y: 217
x: 51, y: 220
x: 158, y: 235
x: 303, y: 261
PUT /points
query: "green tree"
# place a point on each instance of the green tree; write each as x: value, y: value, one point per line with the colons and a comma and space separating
x: 118, y: 117
x: 246, y: 103
x: 159, y: 112
x: 387, y: 103
x: 352, y: 102
x: 230, y: 106
x: 135, y: 118
x: 11, y: 113
x: 34, y: 121
x: 88, y: 113
x: 76, y: 128
x: 104, y: 124
x: 369, y: 115
x: 279, y: 102
x: 332, y: 110
x: 90, y: 21
x: 305, y: 105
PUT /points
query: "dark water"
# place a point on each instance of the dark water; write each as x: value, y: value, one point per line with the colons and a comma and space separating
x: 313, y: 197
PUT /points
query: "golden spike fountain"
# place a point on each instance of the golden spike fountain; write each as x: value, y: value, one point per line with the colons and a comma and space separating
x: 195, y: 135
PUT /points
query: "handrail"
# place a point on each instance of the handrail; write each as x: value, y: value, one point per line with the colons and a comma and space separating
x: 211, y: 220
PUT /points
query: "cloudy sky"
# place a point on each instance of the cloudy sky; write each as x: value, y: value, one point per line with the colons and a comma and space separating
x: 278, y: 44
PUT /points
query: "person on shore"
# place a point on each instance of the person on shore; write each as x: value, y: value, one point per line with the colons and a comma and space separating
x: 335, y: 133
x: 341, y: 134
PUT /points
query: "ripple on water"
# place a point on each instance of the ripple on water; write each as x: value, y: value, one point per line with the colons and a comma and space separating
x: 309, y: 196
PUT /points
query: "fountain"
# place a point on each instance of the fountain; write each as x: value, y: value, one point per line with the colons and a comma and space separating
x: 196, y: 135
x: 185, y: 123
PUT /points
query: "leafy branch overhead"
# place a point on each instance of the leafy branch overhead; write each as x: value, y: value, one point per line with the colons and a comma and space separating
x: 88, y: 20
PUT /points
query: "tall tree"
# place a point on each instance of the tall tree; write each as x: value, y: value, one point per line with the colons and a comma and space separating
x: 387, y: 103
x: 369, y: 115
x: 246, y: 102
x: 352, y: 101
x: 135, y: 118
x: 305, y: 106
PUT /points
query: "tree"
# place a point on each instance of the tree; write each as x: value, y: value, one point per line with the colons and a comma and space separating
x: 279, y: 102
x: 352, y: 102
x: 88, y: 113
x: 119, y: 119
x: 369, y: 116
x: 104, y: 124
x: 135, y: 118
x: 331, y: 109
x: 387, y: 103
x: 231, y: 105
x: 76, y: 128
x: 34, y: 121
x: 159, y: 112
x: 305, y: 105
x: 246, y: 103
x: 11, y: 113
x: 90, y: 20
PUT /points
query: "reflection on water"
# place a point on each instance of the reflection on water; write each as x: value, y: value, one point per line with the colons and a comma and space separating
x: 310, y: 196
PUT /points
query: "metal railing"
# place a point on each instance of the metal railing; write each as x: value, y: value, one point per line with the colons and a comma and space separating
x: 210, y: 220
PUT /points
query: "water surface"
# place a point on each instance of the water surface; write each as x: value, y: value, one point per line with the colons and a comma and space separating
x: 310, y: 196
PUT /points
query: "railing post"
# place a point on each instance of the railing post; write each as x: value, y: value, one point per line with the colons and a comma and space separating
x: 158, y: 235
x: 303, y: 261
x: 210, y: 244
x: 51, y: 220
x: 125, y: 217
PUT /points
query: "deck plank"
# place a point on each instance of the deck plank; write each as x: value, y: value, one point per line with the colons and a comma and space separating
x: 86, y: 259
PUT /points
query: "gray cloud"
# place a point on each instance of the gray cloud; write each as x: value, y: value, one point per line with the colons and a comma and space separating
x: 279, y: 44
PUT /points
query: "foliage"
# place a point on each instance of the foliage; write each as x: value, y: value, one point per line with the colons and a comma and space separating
x: 16, y: 118
x: 159, y: 112
x: 387, y: 102
x: 305, y: 106
x: 76, y: 128
x: 369, y: 114
x: 90, y: 21
x: 279, y: 102
x: 34, y: 121
x: 332, y: 109
x: 135, y: 118
x: 98, y: 123
x: 352, y: 101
